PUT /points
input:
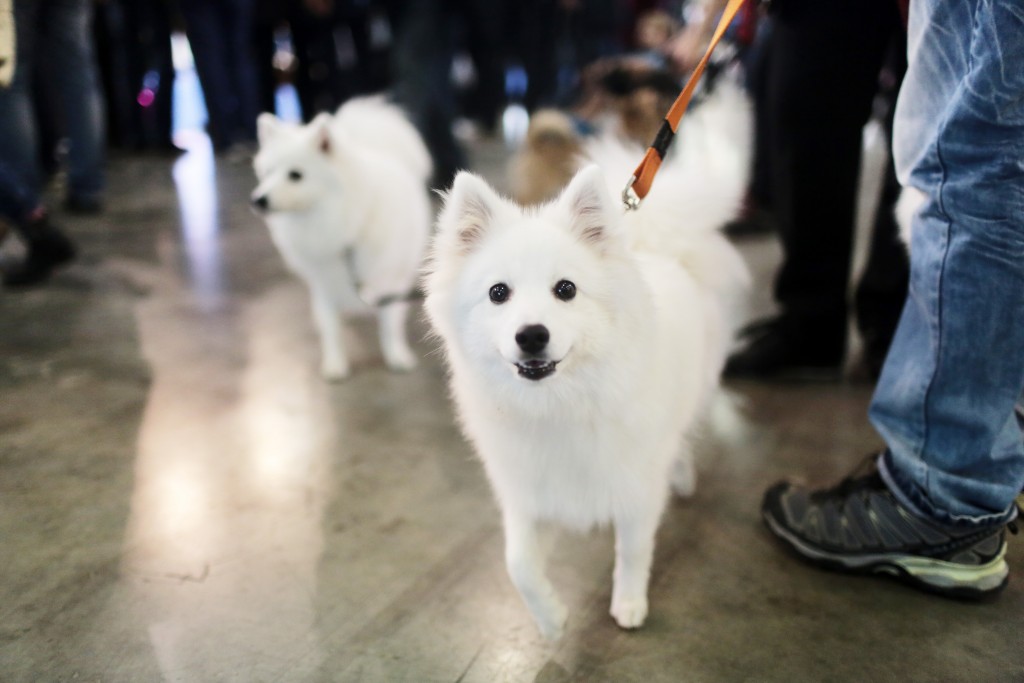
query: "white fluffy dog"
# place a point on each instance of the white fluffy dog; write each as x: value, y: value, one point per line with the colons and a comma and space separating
x: 346, y: 202
x: 583, y: 345
x: 907, y: 205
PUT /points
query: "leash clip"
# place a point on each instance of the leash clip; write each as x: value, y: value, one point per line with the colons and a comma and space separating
x: 630, y: 199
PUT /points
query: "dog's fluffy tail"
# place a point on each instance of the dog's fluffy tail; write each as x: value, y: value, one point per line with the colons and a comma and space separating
x: 699, y: 188
x: 377, y: 122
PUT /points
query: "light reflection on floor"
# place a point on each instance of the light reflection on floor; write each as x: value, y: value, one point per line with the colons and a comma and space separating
x: 195, y: 177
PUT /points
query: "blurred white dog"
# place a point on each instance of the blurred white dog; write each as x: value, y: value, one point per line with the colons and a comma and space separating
x: 907, y: 205
x: 345, y: 198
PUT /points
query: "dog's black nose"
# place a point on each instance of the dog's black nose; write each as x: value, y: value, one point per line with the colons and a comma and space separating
x: 533, y: 338
x: 261, y: 202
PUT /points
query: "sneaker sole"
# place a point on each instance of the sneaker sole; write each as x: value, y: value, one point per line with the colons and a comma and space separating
x: 948, y: 579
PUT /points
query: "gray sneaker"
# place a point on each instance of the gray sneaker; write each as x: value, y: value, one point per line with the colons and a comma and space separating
x: 858, y: 526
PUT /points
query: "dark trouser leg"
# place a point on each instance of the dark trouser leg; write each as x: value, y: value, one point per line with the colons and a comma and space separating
x: 883, y: 286
x: 825, y: 60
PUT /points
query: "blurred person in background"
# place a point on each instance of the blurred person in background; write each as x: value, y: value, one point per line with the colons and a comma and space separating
x: 424, y: 45
x: 315, y: 71
x: 46, y: 246
x: 341, y: 48
x: 133, y: 39
x: 556, y: 40
x: 220, y: 35
x: 823, y: 65
x: 53, y: 40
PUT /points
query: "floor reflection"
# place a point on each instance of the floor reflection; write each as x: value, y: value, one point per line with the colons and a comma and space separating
x: 195, y: 178
x: 231, y: 480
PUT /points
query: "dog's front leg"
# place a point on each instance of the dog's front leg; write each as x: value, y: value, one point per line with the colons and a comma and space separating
x: 525, y: 564
x: 634, y: 551
x: 684, y: 475
x: 334, y: 362
x: 391, y: 319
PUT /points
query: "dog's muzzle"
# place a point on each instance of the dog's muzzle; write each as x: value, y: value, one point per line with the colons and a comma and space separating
x: 532, y: 340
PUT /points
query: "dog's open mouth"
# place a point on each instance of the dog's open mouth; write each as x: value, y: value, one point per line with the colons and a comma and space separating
x: 536, y: 369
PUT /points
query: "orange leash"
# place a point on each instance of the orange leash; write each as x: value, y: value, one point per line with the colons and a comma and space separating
x: 640, y: 184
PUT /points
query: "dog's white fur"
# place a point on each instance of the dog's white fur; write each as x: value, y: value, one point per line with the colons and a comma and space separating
x: 346, y: 202
x: 907, y: 206
x: 639, y: 350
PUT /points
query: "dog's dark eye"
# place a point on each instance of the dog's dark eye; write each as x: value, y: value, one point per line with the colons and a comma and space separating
x: 499, y: 293
x: 565, y: 290
x: 295, y: 176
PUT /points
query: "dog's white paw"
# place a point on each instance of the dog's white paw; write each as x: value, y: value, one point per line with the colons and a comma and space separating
x: 401, y: 361
x: 683, y: 478
x: 629, y: 612
x: 334, y: 371
x: 552, y: 623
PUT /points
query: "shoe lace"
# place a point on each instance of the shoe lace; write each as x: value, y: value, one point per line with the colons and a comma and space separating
x: 864, y: 476
x: 1012, y: 524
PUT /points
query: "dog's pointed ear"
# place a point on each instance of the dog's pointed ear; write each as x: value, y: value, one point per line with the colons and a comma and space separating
x: 266, y: 126
x: 321, y: 127
x: 469, y: 208
x: 592, y: 211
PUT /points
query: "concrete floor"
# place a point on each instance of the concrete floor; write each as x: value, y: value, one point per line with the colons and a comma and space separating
x: 183, y: 499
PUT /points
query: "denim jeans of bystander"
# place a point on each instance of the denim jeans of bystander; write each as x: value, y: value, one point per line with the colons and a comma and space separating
x: 945, y: 403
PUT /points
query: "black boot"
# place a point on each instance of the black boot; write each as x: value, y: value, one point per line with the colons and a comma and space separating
x: 792, y: 348
x: 48, y: 248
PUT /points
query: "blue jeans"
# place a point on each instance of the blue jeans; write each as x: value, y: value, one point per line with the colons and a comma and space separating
x: 17, y: 201
x: 945, y: 403
x: 59, y: 32
x: 220, y: 35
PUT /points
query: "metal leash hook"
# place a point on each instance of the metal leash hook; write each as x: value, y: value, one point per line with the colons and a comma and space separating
x: 630, y: 199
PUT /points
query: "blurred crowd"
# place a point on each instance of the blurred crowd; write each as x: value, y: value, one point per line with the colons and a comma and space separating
x: 443, y: 59
x: 83, y: 77
x: 90, y: 76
